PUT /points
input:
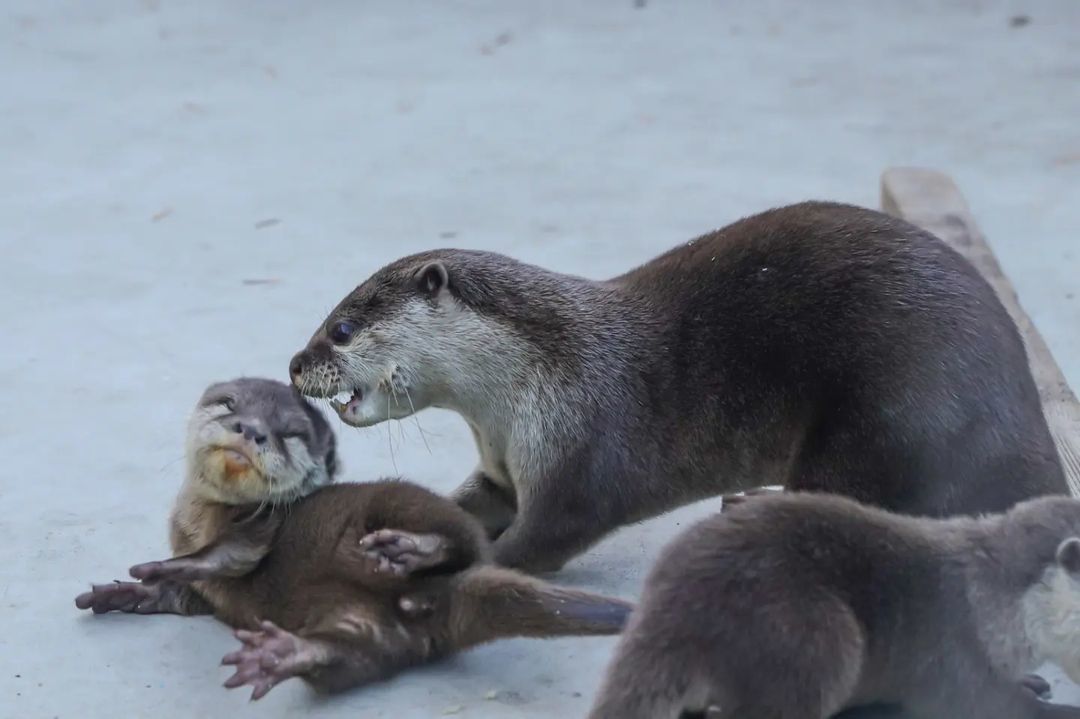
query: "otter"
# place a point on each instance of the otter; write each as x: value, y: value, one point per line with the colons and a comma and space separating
x: 805, y: 604
x: 818, y: 346
x: 339, y: 584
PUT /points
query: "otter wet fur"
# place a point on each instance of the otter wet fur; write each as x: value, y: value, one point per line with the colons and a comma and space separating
x: 817, y: 346
x: 799, y: 605
x: 340, y: 585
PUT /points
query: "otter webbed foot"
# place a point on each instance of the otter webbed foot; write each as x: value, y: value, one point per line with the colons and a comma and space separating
x: 398, y: 552
x: 269, y: 656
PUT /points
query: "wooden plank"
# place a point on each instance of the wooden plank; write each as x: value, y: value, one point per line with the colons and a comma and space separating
x: 931, y: 200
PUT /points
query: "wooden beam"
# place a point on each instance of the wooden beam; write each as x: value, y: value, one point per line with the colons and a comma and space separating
x: 931, y: 200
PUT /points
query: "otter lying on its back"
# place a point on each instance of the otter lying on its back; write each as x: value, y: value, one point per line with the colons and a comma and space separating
x: 818, y: 346
x: 798, y: 606
x: 353, y: 582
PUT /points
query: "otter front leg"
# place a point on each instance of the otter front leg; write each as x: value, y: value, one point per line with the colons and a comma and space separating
x: 139, y: 598
x: 556, y: 524
x: 229, y: 558
x: 493, y: 505
x: 233, y: 555
x: 995, y: 699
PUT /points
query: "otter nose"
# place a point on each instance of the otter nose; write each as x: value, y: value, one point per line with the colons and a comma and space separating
x: 250, y: 431
x: 296, y: 367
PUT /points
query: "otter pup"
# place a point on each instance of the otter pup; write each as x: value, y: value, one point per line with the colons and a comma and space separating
x: 344, y: 584
x: 818, y: 346
x: 804, y: 604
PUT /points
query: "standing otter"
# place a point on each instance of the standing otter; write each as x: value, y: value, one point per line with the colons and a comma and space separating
x: 800, y: 605
x: 346, y: 584
x: 819, y: 346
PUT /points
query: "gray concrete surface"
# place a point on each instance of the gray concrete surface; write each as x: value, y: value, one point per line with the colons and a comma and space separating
x: 186, y: 188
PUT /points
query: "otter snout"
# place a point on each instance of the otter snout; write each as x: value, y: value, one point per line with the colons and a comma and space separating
x: 251, y: 430
x: 296, y: 367
x: 313, y: 371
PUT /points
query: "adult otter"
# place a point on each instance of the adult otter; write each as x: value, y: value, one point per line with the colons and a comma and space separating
x: 800, y: 605
x: 346, y: 584
x: 819, y: 346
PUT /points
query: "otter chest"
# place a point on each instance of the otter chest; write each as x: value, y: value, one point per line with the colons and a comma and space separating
x: 492, y: 450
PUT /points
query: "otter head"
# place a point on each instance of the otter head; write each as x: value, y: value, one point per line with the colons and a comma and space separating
x: 257, y: 440
x: 1052, y: 610
x: 403, y: 340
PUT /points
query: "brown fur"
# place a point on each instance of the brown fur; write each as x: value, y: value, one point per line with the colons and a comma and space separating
x: 347, y: 585
x: 819, y: 346
x: 800, y: 605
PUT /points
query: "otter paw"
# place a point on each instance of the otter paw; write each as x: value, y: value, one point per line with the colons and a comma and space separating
x: 117, y: 596
x: 398, y: 552
x: 1036, y: 685
x: 268, y: 657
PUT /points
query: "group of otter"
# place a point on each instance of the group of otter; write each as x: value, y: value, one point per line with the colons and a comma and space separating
x: 923, y: 560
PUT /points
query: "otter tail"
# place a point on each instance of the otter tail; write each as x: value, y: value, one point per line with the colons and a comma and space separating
x: 492, y: 603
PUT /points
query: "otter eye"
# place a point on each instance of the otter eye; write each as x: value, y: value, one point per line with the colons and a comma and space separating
x: 342, y: 332
x: 227, y: 402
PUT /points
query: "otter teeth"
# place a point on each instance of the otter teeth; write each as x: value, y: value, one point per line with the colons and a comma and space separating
x: 341, y: 401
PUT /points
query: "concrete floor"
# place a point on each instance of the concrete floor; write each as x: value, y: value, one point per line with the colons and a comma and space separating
x: 186, y: 188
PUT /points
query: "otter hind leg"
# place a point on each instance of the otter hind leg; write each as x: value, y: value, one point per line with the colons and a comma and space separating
x: 329, y: 661
x: 270, y: 655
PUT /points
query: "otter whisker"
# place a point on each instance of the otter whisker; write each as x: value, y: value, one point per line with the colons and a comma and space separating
x: 412, y: 408
x: 171, y: 463
x: 390, y: 436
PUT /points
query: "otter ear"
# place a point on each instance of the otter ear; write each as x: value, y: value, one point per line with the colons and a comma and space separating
x: 1068, y: 555
x: 433, y: 278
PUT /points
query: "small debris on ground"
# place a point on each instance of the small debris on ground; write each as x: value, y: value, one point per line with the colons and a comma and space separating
x: 1019, y: 20
x: 268, y: 222
x: 262, y: 281
x: 447, y: 234
x: 491, y: 695
x: 161, y: 214
x: 500, y: 40
x: 456, y: 709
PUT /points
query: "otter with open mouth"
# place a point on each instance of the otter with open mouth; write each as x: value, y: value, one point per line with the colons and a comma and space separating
x: 817, y: 346
x: 340, y: 585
